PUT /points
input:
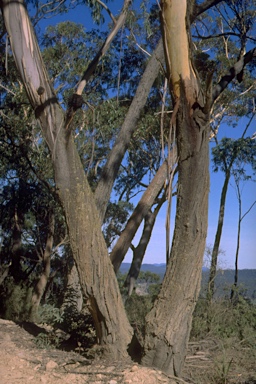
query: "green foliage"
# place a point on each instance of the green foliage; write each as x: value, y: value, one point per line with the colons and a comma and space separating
x: 148, y: 277
x: 15, y: 300
x: 115, y: 218
x: 137, y: 307
x: 49, y: 314
x: 79, y: 326
x: 224, y: 320
x: 236, y: 153
x: 47, y: 340
x: 222, y: 368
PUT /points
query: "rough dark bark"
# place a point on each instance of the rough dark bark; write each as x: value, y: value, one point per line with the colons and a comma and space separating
x: 123, y: 243
x: 168, y: 326
x: 89, y: 250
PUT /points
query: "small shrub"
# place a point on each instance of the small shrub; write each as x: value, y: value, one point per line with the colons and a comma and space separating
x: 16, y: 301
x: 79, y: 325
x: 47, y: 340
x: 224, y: 319
x: 137, y: 307
x: 49, y: 314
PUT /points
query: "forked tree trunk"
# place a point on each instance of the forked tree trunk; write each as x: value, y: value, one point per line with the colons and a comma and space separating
x: 90, y: 253
x: 139, y: 251
x: 123, y: 243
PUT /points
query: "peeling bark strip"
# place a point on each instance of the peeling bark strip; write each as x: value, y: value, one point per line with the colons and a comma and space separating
x: 29, y: 63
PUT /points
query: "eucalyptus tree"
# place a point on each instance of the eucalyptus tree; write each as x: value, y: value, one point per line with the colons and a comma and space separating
x: 231, y: 157
x: 241, y: 176
x: 169, y: 322
x: 167, y: 328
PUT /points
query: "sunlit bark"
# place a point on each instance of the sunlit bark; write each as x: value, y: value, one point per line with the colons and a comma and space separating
x: 169, y: 322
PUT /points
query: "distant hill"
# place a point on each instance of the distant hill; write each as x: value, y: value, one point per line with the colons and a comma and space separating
x: 225, y: 279
x: 159, y: 269
x: 223, y: 283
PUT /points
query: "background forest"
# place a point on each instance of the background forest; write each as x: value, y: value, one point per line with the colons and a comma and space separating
x: 121, y: 120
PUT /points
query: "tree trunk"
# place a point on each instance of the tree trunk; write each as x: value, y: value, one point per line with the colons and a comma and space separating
x: 90, y: 253
x: 42, y: 282
x: 234, y: 292
x: 168, y: 326
x: 123, y: 243
x: 139, y: 251
x: 16, y: 249
x: 216, y: 247
x: 96, y: 273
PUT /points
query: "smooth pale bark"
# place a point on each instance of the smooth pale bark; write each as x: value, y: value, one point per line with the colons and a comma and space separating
x: 43, y: 279
x: 176, y: 45
x: 123, y: 243
x: 110, y: 170
x: 96, y: 273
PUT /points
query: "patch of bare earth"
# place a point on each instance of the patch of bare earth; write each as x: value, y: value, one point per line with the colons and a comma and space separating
x: 21, y: 361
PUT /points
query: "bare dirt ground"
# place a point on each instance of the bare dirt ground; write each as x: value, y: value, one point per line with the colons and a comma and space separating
x: 23, y: 362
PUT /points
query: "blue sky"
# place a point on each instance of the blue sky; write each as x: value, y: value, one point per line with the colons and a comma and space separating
x: 156, y: 250
x: 247, y: 254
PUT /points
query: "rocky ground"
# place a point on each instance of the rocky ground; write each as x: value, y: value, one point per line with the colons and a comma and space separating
x: 23, y: 361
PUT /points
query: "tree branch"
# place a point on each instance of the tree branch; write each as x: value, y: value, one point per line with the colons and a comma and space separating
x: 118, y: 24
x: 108, y: 10
x: 233, y: 72
x: 201, y: 8
x: 76, y: 100
x: 110, y: 170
